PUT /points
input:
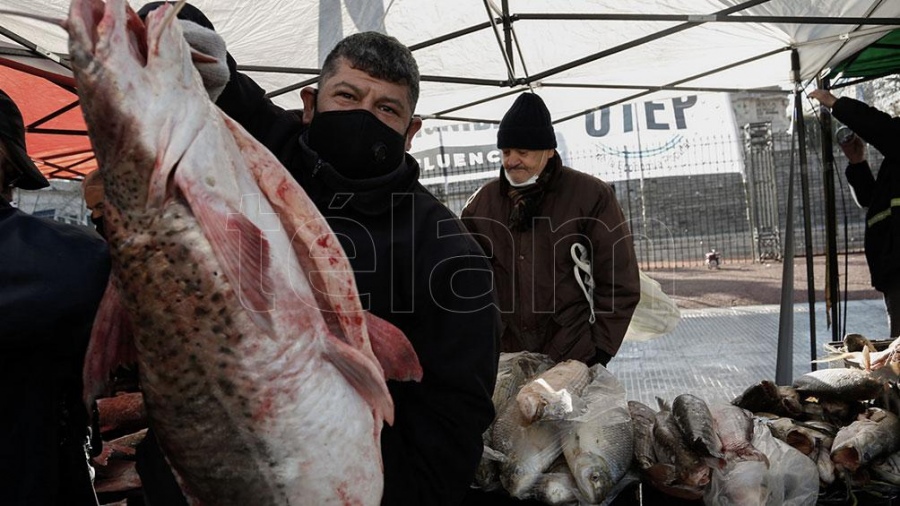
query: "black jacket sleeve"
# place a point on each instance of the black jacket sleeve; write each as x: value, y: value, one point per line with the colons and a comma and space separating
x: 879, y: 129
x: 861, y: 180
x: 53, y: 278
x: 432, y: 451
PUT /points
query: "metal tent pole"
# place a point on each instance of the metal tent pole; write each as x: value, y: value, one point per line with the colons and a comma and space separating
x: 832, y: 281
x: 807, y: 215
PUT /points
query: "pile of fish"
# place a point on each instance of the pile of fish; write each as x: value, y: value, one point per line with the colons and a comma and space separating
x: 720, y: 454
x: 563, y: 432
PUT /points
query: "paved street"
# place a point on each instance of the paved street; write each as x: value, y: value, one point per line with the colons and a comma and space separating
x: 717, y: 353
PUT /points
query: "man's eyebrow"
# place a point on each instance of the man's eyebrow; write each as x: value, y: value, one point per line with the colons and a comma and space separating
x: 353, y: 88
x: 397, y: 102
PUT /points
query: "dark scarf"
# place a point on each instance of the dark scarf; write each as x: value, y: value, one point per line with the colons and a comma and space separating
x: 526, y: 200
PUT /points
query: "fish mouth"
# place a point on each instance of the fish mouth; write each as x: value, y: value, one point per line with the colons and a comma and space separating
x: 92, y: 21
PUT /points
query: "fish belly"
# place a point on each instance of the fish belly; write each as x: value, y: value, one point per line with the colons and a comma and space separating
x: 244, y: 416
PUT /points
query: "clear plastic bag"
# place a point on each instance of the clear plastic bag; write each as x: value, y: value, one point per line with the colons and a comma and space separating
x: 656, y: 314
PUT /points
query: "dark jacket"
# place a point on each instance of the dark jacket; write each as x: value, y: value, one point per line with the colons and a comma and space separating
x: 542, y: 305
x: 416, y: 267
x: 52, y: 277
x: 881, y: 195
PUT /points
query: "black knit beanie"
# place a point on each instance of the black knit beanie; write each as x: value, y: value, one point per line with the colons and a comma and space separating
x: 188, y: 12
x: 526, y: 125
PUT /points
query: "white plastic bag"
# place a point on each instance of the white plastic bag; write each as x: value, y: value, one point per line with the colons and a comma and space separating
x: 656, y: 314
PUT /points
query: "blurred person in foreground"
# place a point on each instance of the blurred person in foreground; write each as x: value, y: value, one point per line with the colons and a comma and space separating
x: 567, y: 279
x: 879, y: 195
x: 52, y: 277
x: 415, y: 265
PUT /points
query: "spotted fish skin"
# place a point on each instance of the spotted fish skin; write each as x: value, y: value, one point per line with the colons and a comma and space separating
x: 255, y: 362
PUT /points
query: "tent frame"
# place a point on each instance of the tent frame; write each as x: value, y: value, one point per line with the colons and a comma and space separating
x: 502, y: 23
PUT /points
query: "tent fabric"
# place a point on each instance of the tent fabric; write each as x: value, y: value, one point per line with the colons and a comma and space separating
x: 879, y: 59
x: 579, y: 55
x: 56, y: 136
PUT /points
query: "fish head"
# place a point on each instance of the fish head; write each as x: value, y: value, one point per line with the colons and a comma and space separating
x: 135, y: 84
x: 531, y: 406
x: 593, y: 476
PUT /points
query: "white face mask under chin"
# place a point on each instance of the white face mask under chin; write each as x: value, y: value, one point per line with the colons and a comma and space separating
x: 530, y: 181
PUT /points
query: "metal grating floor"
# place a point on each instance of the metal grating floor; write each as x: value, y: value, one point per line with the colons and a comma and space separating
x: 716, y: 354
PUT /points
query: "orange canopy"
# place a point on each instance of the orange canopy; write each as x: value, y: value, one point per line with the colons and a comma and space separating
x: 55, y: 136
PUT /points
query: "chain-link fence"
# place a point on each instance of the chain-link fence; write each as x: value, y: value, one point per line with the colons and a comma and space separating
x: 714, y: 193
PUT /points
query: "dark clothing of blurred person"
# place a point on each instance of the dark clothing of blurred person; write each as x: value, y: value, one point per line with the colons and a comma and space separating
x: 52, y: 276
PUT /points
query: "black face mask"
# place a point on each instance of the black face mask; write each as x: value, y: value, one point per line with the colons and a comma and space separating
x: 356, y: 143
x: 98, y: 224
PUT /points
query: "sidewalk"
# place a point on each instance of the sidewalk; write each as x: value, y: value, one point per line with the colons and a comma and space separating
x: 716, y: 354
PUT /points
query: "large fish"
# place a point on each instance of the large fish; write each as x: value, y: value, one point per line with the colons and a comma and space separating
x: 513, y: 370
x: 255, y: 358
x: 693, y: 417
x: 679, y: 471
x: 599, y: 445
x: 528, y: 449
x: 734, y: 426
x: 877, y: 434
x: 642, y: 419
x: 767, y: 397
x: 555, y: 393
x: 845, y: 384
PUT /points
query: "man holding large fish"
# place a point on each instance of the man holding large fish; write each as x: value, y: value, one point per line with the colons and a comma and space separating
x: 412, y: 262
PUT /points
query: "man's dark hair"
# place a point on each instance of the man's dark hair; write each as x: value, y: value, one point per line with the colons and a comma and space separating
x: 379, y: 55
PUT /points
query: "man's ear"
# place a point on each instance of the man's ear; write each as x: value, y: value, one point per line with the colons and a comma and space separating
x: 308, y: 95
x: 413, y: 129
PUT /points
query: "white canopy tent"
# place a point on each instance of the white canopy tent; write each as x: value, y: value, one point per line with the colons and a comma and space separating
x: 476, y: 55
x: 580, y: 55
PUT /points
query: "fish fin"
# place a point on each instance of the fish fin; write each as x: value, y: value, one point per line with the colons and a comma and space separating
x: 240, y: 247
x: 364, y: 374
x: 317, y: 248
x: 111, y: 344
x: 393, y: 350
x: 663, y: 405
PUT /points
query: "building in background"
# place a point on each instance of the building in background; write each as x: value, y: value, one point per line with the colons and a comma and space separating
x: 61, y: 201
